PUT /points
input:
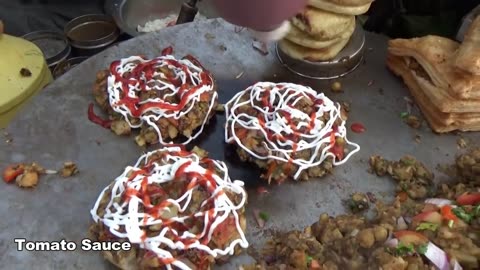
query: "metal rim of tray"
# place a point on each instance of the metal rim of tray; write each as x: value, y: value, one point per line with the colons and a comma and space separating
x: 347, y: 60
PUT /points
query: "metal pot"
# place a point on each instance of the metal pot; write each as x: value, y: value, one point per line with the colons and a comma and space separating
x: 66, y: 65
x: 54, y: 46
x: 129, y: 14
x: 90, y: 34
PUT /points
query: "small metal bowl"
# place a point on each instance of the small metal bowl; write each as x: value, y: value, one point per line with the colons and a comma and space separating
x: 90, y: 34
x: 54, y: 46
x: 66, y: 65
x: 345, y: 62
x: 129, y: 14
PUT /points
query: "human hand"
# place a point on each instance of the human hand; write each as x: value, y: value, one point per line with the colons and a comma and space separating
x: 273, y: 35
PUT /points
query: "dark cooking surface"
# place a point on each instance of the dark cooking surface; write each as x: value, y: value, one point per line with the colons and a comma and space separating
x: 55, y: 129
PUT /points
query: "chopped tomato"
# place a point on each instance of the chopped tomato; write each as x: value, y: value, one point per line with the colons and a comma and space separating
x: 357, y: 128
x: 338, y: 151
x: 224, y: 232
x: 469, y: 199
x: 314, y: 264
x: 403, y: 196
x: 410, y: 237
x: 167, y: 51
x: 11, y: 172
x: 447, y: 213
x: 271, y: 169
x: 428, y: 216
x: 241, y: 133
x: 262, y: 190
x: 205, y: 97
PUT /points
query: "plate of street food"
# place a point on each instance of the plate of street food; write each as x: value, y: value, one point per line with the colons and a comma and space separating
x: 178, y: 209
x: 288, y: 130
x: 167, y: 99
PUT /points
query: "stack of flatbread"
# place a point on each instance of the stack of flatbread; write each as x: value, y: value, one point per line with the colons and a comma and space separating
x: 321, y: 31
x: 443, y: 76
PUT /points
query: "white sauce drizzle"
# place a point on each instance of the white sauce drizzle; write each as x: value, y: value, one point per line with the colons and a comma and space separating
x: 281, y: 95
x: 128, y: 216
x: 153, y: 114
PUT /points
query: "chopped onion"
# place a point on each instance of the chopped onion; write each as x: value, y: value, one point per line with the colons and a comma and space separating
x: 354, y: 232
x: 439, y: 202
x: 456, y: 265
x: 391, y: 242
x: 437, y: 256
x: 401, y: 224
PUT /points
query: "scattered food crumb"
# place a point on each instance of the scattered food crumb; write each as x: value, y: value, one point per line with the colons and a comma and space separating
x: 239, y: 75
x: 358, y: 202
x: 418, y: 138
x: 199, y: 151
x: 462, y: 143
x: 260, y: 221
x: 25, y: 72
x: 222, y: 48
x: 8, y: 137
x: 260, y: 47
x: 29, y: 179
x: 25, y: 176
x: 98, y: 142
x: 346, y: 106
x: 336, y: 87
x: 413, y: 121
x: 371, y: 197
x: 209, y: 36
x: 69, y: 169
x: 220, y: 108
x: 357, y: 128
x: 262, y: 190
x: 274, y: 75
x: 370, y: 83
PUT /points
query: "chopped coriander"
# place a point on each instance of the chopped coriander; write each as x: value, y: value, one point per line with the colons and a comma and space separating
x: 403, y: 250
x: 309, y: 259
x: 263, y: 216
x: 476, y: 211
x: 404, y: 115
x: 422, y: 249
x: 427, y: 226
x: 462, y: 214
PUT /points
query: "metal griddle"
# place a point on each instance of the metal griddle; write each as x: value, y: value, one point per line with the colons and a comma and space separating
x: 54, y: 128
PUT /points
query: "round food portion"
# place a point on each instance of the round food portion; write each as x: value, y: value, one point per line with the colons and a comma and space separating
x: 178, y: 209
x: 164, y: 97
x: 289, y: 130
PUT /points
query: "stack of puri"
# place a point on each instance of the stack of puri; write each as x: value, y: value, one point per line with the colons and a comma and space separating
x: 443, y: 76
x: 323, y: 29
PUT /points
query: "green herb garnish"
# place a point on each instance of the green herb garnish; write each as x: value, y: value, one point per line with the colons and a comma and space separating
x: 422, y: 249
x: 403, y: 250
x: 427, y: 226
x: 263, y: 216
x: 462, y: 214
x: 476, y: 211
x: 309, y: 260
x: 404, y: 115
x: 450, y: 223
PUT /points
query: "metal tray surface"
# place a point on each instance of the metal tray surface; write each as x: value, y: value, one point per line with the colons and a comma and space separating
x: 54, y: 128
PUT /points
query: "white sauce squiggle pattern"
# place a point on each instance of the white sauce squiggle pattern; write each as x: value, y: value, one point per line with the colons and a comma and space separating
x: 131, y: 219
x: 281, y: 98
x: 191, y: 73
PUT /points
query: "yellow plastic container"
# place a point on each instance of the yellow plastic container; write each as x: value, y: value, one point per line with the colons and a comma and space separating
x: 17, y: 90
